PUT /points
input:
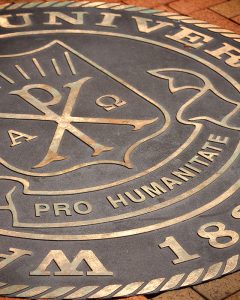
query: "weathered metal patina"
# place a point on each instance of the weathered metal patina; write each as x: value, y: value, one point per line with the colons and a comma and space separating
x: 119, y: 156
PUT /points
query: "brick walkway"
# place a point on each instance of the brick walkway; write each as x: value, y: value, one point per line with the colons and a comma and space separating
x: 220, y: 12
x: 225, y: 14
x: 226, y: 288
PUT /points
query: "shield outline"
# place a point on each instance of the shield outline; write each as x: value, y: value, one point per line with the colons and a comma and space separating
x: 193, y: 136
x: 198, y: 126
x: 126, y: 161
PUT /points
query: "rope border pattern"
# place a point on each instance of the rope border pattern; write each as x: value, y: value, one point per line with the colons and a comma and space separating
x: 117, y: 6
x: 119, y: 290
x: 139, y: 287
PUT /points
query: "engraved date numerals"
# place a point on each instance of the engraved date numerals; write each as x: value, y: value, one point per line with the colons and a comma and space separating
x: 229, y: 237
x: 218, y: 235
x: 178, y: 250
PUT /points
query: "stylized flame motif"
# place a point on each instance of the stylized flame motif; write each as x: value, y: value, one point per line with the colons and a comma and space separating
x: 207, y: 86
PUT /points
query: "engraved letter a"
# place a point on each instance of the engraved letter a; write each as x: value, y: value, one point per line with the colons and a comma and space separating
x: 68, y: 268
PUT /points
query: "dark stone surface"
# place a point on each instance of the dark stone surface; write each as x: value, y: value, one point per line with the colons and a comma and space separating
x: 54, y: 80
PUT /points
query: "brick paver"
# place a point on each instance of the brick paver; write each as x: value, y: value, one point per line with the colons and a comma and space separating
x: 234, y: 297
x: 220, y: 288
x: 148, y: 3
x: 214, y: 18
x: 236, y: 19
x: 226, y: 14
x: 189, y: 6
x: 183, y: 294
x: 228, y: 9
x: 158, y: 4
x: 133, y: 298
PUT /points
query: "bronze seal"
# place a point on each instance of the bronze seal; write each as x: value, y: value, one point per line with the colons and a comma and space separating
x: 119, y: 157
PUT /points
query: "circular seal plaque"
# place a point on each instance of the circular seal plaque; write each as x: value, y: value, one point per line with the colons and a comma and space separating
x: 119, y: 156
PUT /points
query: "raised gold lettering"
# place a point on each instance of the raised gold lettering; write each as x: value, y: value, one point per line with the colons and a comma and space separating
x: 155, y: 189
x: 143, y: 24
x: 54, y: 16
x: 9, y: 258
x: 120, y: 199
x: 110, y: 102
x: 214, y: 236
x: 232, y: 53
x: 41, y: 207
x: 108, y: 20
x: 208, y: 145
x: 208, y: 155
x: 58, y: 207
x: 5, y: 22
x: 178, y: 250
x: 199, y: 161
x: 68, y: 268
x: 133, y: 198
x: 17, y: 135
x: 86, y: 207
x: 183, y: 174
x: 218, y: 139
x: 170, y: 182
x: 190, y: 37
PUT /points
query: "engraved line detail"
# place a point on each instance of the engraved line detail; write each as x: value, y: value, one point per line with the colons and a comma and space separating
x: 56, y: 66
x: 114, y: 290
x: 70, y: 63
x: 8, y: 79
x: 22, y: 72
x: 39, y: 67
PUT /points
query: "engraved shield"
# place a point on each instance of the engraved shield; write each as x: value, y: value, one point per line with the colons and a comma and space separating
x: 75, y: 121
